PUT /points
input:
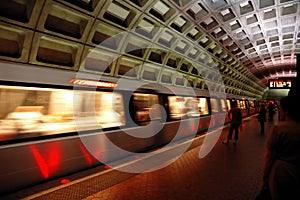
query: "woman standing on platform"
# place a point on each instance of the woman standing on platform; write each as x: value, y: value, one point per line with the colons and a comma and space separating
x: 262, y: 118
x: 235, y: 117
x: 281, y: 171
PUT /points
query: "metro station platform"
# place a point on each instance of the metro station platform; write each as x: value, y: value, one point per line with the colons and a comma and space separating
x: 228, y: 172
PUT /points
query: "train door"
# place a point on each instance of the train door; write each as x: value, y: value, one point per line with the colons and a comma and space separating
x: 145, y: 108
x: 242, y: 106
x: 228, y: 107
x: 215, y: 111
x: 251, y: 107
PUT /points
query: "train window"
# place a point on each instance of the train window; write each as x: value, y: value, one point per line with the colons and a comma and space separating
x: 145, y: 108
x: 228, y: 104
x: 214, y: 105
x: 238, y: 103
x: 32, y: 111
x: 203, y: 106
x: 251, y: 104
x: 242, y: 104
x: 177, y: 108
x: 183, y: 107
x: 223, y: 105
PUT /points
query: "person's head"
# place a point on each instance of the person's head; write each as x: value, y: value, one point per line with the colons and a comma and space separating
x: 234, y: 104
x: 293, y: 105
x: 283, y: 108
x: 284, y: 104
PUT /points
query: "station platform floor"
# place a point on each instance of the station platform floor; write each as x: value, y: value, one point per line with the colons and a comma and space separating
x: 228, y: 172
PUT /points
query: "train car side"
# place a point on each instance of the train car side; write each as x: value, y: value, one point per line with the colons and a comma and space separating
x: 46, y: 135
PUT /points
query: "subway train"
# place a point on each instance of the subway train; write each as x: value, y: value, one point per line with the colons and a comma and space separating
x: 47, y: 116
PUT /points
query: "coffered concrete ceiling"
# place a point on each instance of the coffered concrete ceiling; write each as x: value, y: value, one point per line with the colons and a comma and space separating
x: 248, y: 41
x: 263, y: 35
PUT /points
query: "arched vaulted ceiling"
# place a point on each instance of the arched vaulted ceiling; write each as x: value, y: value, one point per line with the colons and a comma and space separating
x: 248, y: 41
x: 264, y: 35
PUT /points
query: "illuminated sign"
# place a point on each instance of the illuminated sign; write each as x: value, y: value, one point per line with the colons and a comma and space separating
x: 281, y: 83
x: 92, y: 83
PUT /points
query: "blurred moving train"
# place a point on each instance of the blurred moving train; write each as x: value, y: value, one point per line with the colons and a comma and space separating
x: 41, y: 117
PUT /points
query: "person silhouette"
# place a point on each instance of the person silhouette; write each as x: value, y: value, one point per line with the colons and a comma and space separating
x: 235, y: 117
x: 281, y: 170
x: 262, y: 118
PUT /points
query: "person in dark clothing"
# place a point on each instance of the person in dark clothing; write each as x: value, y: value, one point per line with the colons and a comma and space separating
x: 281, y: 170
x: 262, y: 118
x: 271, y: 109
x: 235, y: 116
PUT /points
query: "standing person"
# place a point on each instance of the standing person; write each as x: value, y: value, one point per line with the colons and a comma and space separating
x: 235, y: 117
x: 281, y: 170
x: 271, y: 109
x: 262, y: 118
